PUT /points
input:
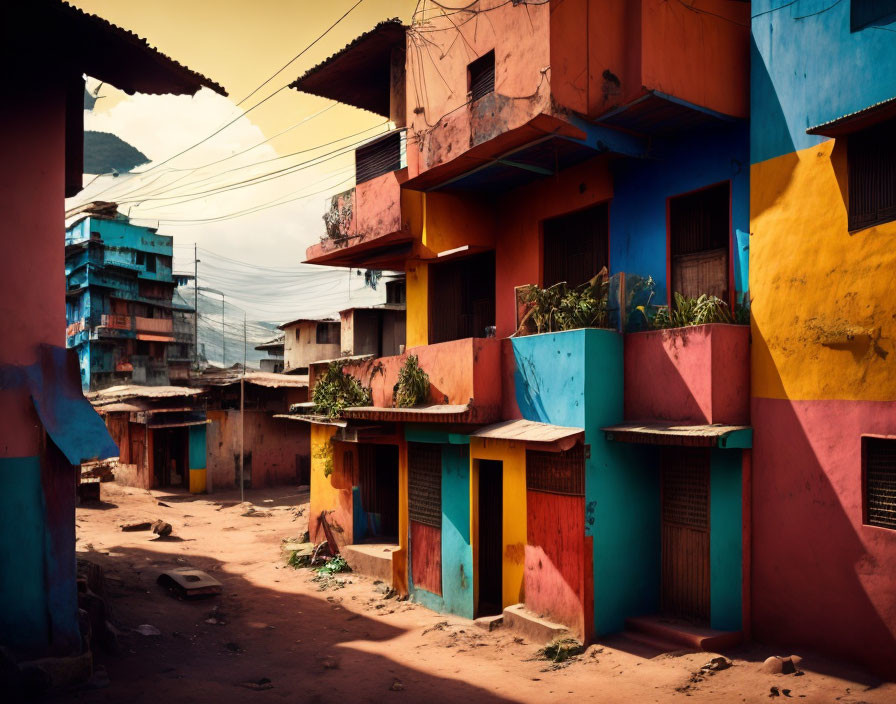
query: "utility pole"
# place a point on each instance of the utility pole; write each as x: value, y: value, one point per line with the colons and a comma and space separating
x: 243, y: 413
x: 195, y: 307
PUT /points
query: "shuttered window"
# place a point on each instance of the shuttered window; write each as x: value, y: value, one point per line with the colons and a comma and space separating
x: 425, y: 483
x: 879, y: 459
x: 863, y: 13
x: 699, y: 239
x: 576, y: 246
x: 380, y: 157
x: 482, y: 76
x: 556, y: 472
x: 327, y: 333
x: 461, y: 298
x: 871, y: 158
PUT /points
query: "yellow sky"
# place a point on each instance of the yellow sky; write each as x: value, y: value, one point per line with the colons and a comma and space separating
x: 240, y: 43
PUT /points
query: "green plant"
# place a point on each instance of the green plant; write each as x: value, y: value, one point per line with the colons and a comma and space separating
x: 413, y: 384
x: 686, y: 311
x: 333, y: 566
x: 335, y: 391
x: 561, y: 649
x: 559, y: 307
x: 325, y: 454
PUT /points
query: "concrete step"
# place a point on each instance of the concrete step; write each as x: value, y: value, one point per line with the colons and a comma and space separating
x: 489, y: 623
x: 642, y: 644
x: 370, y: 559
x: 531, y: 626
x: 682, y: 633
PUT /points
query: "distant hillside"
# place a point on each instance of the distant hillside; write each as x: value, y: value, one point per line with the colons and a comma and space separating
x: 105, y: 152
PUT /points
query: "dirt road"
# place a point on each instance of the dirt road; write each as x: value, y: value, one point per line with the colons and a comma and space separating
x: 274, y: 627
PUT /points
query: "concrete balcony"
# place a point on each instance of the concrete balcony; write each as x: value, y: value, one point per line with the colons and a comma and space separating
x: 698, y: 375
x: 464, y: 376
x: 158, y: 326
x: 115, y: 322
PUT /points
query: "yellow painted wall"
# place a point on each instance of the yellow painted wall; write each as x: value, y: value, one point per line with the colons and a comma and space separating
x: 823, y: 298
x: 513, y: 456
x: 417, y: 283
x: 400, y: 556
x: 324, y: 496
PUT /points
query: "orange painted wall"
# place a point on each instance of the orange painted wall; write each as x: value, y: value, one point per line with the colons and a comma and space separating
x: 699, y: 55
x: 521, y: 212
x: 331, y: 494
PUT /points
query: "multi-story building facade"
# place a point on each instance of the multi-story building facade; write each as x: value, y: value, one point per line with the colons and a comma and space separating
x: 822, y: 223
x: 600, y: 477
x: 119, y: 308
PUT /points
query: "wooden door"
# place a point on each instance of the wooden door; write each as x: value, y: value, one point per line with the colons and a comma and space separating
x: 491, y: 536
x: 685, y: 533
x: 699, y: 242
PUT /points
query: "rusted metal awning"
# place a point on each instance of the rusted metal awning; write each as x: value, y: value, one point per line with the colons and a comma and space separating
x: 147, y: 337
x: 313, y: 418
x: 672, y: 433
x: 560, y: 436
x: 855, y: 121
x: 432, y: 413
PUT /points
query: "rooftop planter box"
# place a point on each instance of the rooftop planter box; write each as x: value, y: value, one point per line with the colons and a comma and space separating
x: 464, y: 377
x: 697, y: 374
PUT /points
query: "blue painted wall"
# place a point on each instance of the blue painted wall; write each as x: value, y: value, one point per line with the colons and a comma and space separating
x: 575, y: 378
x: 457, y: 551
x: 808, y: 67
x: 638, y: 232
x: 24, y: 620
x: 726, y: 540
x: 197, y: 446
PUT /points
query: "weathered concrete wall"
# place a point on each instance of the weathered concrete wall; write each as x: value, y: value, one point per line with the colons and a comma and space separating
x: 300, y: 346
x: 698, y: 374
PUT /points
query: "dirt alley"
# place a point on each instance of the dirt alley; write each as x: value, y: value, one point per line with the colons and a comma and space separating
x: 350, y: 643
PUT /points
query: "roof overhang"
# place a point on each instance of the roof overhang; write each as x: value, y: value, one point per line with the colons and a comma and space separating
x: 432, y: 413
x: 855, y: 121
x: 360, y: 73
x: 681, y: 434
x: 656, y: 113
x: 544, y: 435
x: 386, y: 252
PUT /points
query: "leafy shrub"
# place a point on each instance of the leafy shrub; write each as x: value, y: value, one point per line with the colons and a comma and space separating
x: 413, y: 384
x: 325, y: 454
x: 693, y: 311
x: 333, y: 566
x: 335, y: 391
x: 559, y: 307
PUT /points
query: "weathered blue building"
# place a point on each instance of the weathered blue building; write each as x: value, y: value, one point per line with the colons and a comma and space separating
x: 119, y: 309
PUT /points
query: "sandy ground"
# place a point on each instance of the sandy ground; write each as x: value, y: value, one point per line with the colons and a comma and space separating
x: 349, y: 643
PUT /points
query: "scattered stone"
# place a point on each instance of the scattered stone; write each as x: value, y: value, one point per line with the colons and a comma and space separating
x: 440, y: 626
x: 146, y: 629
x: 330, y: 664
x: 162, y: 503
x: 132, y: 527
x: 774, y: 692
x: 717, y: 663
x: 777, y: 665
x: 397, y: 686
x: 252, y: 513
x: 258, y: 686
x: 161, y: 528
x: 233, y: 647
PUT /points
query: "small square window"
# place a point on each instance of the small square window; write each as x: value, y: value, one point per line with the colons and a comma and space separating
x: 481, y: 76
x: 328, y: 333
x: 871, y: 167
x: 879, y: 471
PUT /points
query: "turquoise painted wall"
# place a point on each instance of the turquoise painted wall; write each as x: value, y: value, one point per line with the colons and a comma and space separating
x: 197, y: 446
x: 725, y: 540
x: 24, y: 623
x: 575, y: 378
x: 457, y: 552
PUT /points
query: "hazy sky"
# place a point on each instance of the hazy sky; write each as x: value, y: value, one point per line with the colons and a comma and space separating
x: 239, y: 45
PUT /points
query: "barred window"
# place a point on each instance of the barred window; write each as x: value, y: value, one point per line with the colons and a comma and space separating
x: 879, y: 469
x: 481, y: 74
x: 327, y: 333
x: 871, y: 164
x: 556, y: 472
x: 425, y: 483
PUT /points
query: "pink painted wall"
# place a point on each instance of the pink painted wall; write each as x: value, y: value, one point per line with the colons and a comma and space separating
x: 32, y: 281
x: 820, y: 578
x: 557, y: 561
x: 698, y: 374
x: 460, y: 371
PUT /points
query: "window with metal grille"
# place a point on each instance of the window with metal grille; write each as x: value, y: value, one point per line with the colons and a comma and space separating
x: 879, y: 468
x: 576, y: 246
x: 327, y: 333
x: 863, y: 13
x: 461, y: 298
x: 685, y: 486
x: 380, y: 157
x: 481, y: 74
x: 871, y: 164
x: 556, y: 472
x: 425, y: 483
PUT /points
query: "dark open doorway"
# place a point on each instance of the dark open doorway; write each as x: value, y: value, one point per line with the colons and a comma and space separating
x: 576, y: 246
x: 491, y: 536
x: 699, y: 242
x: 169, y: 457
x: 685, y: 534
x: 462, y: 298
x: 378, y: 481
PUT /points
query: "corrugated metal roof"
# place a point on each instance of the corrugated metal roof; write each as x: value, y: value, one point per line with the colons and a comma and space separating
x: 297, y: 321
x: 672, y: 433
x: 854, y: 121
x: 313, y: 418
x: 269, y: 379
x: 121, y: 393
x: 420, y: 414
x: 530, y: 431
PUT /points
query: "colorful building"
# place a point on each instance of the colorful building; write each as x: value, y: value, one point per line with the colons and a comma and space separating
x: 119, y: 301
x: 822, y: 222
x: 552, y: 470
x: 307, y: 340
x: 49, y: 428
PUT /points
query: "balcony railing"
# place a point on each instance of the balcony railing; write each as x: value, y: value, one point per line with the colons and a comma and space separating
x: 154, y: 325
x: 118, y: 322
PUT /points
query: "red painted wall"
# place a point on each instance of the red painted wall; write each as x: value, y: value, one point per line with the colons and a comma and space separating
x: 820, y: 578
x: 557, y: 560
x: 426, y: 557
x: 698, y: 374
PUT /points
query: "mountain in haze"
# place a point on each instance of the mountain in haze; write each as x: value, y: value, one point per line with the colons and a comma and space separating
x: 105, y: 153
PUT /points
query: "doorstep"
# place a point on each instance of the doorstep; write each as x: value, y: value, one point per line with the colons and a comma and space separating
x: 533, y: 627
x: 370, y: 559
x: 682, y: 633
